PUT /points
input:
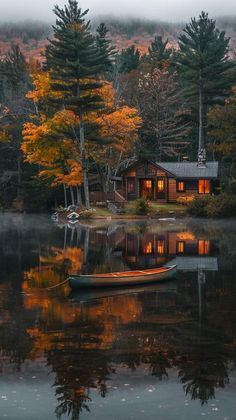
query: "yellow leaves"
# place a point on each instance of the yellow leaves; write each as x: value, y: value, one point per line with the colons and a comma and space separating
x: 107, y: 93
x: 43, y: 91
x: 53, y: 142
x: 72, y: 178
x: 121, y: 123
x: 47, y: 145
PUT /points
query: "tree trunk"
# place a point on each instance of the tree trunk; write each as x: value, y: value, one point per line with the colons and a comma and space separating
x: 72, y: 196
x: 78, y: 196
x: 84, y: 165
x: 200, y: 110
x: 65, y: 196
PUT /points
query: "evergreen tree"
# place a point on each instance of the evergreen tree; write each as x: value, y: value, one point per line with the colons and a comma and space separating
x: 14, y: 83
x: 76, y: 65
x: 204, y: 65
x: 104, y: 47
x: 158, y: 53
x: 128, y: 59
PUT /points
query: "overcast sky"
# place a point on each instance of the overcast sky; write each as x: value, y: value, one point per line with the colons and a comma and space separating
x: 170, y: 10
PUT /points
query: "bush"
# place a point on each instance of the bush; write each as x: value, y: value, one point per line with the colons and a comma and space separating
x: 223, y: 205
x: 141, y: 206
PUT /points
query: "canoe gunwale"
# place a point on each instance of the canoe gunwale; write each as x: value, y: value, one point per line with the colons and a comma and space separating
x: 80, y: 281
x: 119, y: 275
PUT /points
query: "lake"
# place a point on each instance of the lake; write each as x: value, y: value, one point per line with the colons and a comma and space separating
x: 164, y: 351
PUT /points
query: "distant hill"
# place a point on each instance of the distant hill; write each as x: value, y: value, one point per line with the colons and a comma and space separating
x: 32, y: 37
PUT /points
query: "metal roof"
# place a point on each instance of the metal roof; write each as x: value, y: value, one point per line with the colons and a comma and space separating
x: 190, y: 169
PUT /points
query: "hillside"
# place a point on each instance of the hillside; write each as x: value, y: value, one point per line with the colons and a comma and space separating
x: 32, y: 37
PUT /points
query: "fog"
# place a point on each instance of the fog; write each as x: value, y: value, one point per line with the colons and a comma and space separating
x: 168, y: 10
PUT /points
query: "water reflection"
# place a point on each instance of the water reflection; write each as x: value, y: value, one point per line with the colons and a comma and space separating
x: 89, y: 339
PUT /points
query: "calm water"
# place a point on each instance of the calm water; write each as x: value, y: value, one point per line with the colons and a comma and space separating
x: 160, y: 352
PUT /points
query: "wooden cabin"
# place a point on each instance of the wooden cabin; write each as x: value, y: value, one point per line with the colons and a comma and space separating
x: 167, y: 181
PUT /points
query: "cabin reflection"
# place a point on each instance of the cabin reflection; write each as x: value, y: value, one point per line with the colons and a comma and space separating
x: 156, y: 249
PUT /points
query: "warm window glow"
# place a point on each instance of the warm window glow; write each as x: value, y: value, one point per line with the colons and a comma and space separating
x: 180, y: 247
x: 161, y: 246
x: 148, y: 248
x: 160, y: 185
x: 203, y: 247
x: 186, y: 236
x: 204, y: 186
x: 181, y: 186
x: 147, y: 184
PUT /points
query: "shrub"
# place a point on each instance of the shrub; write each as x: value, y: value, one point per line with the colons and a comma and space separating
x: 141, y: 206
x: 198, y: 206
x: 223, y: 205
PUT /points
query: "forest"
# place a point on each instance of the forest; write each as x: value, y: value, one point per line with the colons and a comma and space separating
x: 87, y: 108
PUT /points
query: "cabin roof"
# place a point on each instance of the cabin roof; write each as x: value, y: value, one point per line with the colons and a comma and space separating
x: 190, y: 169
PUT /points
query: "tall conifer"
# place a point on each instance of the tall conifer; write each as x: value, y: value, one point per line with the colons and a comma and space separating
x: 76, y: 64
x: 204, y: 64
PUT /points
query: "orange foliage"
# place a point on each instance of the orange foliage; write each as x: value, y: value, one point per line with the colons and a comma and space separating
x: 52, y: 141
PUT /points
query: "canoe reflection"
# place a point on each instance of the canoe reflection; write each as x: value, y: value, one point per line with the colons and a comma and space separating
x: 86, y: 295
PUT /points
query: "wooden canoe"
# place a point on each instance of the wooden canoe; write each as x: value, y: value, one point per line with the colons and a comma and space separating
x: 123, y: 278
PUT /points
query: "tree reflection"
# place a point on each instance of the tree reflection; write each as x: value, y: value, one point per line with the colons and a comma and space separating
x: 86, y: 344
x: 202, y: 361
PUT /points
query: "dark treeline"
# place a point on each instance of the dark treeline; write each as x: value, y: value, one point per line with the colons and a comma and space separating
x: 166, y: 104
x: 26, y: 30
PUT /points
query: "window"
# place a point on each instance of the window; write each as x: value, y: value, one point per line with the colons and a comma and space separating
x: 160, y: 185
x: 203, y: 247
x: 130, y: 185
x: 147, y: 249
x: 147, y: 184
x: 161, y: 246
x: 204, y: 186
x: 180, y: 247
x: 180, y: 186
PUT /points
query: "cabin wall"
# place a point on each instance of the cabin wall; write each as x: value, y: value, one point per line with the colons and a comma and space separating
x: 191, y: 189
x: 132, y: 179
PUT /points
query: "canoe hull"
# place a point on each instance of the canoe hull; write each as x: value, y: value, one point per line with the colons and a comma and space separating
x: 82, y: 281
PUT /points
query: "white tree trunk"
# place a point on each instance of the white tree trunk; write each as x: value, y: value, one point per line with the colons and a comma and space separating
x: 200, y: 110
x: 84, y: 165
x: 65, y: 196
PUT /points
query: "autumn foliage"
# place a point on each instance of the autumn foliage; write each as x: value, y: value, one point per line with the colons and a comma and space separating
x: 51, y: 139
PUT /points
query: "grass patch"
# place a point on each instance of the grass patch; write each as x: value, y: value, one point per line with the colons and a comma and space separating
x: 156, y: 208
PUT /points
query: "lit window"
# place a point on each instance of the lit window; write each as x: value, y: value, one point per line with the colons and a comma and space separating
x: 160, y: 246
x: 148, y: 184
x: 180, y: 247
x: 180, y: 186
x: 160, y: 185
x: 204, y: 186
x: 148, y: 248
x: 203, y: 247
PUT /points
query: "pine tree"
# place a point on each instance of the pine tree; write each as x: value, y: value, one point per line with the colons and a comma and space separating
x: 14, y: 83
x: 204, y: 65
x: 104, y: 47
x: 128, y: 59
x: 76, y: 64
x: 158, y: 53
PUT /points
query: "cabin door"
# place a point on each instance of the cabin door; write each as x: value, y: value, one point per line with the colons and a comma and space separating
x: 147, y: 188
